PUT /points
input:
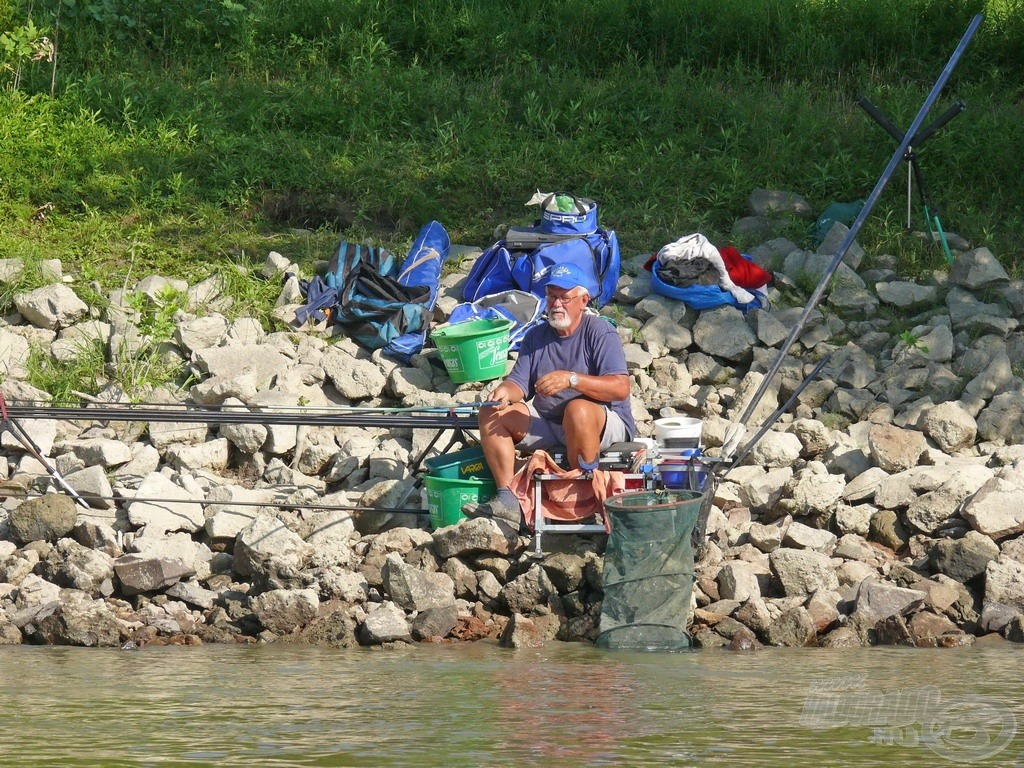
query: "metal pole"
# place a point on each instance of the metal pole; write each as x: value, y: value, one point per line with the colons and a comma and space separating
x: 844, y: 246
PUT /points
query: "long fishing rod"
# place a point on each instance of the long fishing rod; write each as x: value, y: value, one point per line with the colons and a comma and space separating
x: 844, y: 246
x: 775, y: 416
x: 439, y: 417
x: 8, y: 493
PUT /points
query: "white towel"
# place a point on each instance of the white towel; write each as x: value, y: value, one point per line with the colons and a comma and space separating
x: 697, y: 246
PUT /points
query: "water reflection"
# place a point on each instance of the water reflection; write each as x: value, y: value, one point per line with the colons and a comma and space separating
x: 479, y: 705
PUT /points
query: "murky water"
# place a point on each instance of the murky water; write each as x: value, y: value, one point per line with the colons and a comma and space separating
x: 480, y: 705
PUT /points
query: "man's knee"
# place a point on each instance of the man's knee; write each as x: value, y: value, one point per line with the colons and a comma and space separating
x: 583, y: 417
x: 512, y: 421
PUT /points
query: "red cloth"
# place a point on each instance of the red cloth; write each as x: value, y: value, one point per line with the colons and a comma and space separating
x: 569, y: 499
x: 742, y: 271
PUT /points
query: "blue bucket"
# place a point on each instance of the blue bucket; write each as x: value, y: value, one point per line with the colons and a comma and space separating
x: 688, y: 472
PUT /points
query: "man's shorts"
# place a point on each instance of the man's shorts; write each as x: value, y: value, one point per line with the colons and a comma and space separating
x: 545, y: 434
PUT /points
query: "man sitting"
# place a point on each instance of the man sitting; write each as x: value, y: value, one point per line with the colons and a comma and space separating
x: 568, y: 387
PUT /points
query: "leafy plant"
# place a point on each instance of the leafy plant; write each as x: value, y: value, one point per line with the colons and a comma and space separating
x: 23, y: 44
x: 63, y: 379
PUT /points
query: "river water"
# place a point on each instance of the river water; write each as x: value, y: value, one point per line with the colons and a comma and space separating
x: 478, y: 705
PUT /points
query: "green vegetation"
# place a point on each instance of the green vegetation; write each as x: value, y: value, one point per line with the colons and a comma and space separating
x: 141, y: 136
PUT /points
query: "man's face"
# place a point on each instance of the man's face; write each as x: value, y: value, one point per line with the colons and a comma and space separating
x: 565, y: 306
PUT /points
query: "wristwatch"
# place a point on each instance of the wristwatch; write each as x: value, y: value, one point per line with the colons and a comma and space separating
x: 573, y: 380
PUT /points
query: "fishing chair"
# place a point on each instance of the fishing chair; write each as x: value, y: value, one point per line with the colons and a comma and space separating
x: 623, y: 457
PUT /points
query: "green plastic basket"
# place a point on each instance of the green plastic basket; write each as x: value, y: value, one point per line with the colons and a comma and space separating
x: 476, y: 350
x: 467, y: 463
x: 445, y: 497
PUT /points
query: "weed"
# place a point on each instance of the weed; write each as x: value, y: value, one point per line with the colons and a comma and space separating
x: 63, y: 379
x: 183, y: 134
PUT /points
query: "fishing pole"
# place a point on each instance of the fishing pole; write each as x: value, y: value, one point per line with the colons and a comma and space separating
x: 869, y: 204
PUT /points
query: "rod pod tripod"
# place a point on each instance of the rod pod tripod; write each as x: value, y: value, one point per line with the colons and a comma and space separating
x: 931, y: 212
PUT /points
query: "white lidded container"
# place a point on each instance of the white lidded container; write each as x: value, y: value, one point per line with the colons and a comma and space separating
x: 678, y: 432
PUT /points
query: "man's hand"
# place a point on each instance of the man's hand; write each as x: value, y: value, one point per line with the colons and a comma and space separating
x: 502, y: 396
x: 552, y: 383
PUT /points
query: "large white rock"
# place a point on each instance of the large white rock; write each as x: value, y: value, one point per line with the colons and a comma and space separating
x: 165, y: 506
x: 1004, y: 582
x: 997, y: 509
x: 53, y: 306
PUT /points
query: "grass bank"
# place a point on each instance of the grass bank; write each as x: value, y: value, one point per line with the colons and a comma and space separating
x: 194, y: 137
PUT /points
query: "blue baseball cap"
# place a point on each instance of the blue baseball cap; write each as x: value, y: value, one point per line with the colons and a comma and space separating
x: 566, y: 276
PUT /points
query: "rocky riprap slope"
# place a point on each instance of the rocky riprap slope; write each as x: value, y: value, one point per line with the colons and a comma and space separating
x: 886, y: 507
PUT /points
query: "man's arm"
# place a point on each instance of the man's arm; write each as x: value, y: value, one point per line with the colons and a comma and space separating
x: 603, y: 389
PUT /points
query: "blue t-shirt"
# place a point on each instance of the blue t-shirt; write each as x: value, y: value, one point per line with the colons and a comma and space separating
x: 594, y: 348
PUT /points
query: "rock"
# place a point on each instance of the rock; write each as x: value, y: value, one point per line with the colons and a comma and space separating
x: 267, y: 543
x: 977, y: 269
x: 776, y: 449
x: 995, y: 616
x: 744, y: 640
x: 102, y: 452
x: 763, y: 202
x: 766, y: 538
x: 85, y: 569
x: 141, y: 573
x: 415, y: 590
x: 526, y: 593
x: 53, y: 306
x: 93, y: 486
x: 472, y: 537
x: 172, y: 507
x: 286, y: 610
x: 330, y: 533
x: 192, y: 593
x: 1004, y: 582
x: 877, y: 600
x: 755, y: 615
x: 521, y: 632
x: 45, y: 518
x: 724, y: 333
x: 929, y: 630
x: 951, y: 426
x: 738, y: 581
x: 963, y: 559
x: 225, y: 520
x: 894, y: 449
x: 76, y: 619
x: 435, y: 623
x: 887, y: 530
x: 386, y: 624
x: 841, y: 637
x: 260, y: 361
x: 794, y: 628
x: 801, y: 572
x: 892, y: 630
x: 997, y: 509
x: 934, y: 510
x: 1014, y: 630
x: 814, y: 489
x: 800, y: 536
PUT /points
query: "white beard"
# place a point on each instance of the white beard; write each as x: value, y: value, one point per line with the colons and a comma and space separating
x: 560, y: 323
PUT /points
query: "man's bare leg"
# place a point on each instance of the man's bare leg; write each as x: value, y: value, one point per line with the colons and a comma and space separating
x: 499, y: 433
x: 583, y: 423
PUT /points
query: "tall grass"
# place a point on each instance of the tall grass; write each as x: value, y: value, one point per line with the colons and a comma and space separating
x: 183, y: 135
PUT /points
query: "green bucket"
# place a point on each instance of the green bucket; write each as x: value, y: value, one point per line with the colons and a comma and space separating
x: 445, y: 497
x: 468, y: 463
x: 476, y: 350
